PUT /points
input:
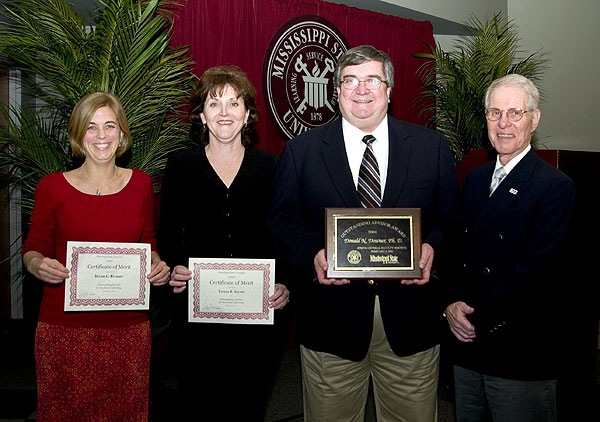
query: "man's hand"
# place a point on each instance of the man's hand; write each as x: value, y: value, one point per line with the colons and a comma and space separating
x: 321, y: 270
x: 456, y: 314
x: 425, y: 264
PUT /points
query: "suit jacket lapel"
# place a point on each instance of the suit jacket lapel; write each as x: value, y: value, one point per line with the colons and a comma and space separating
x: 478, y: 192
x: 335, y: 158
x: 509, y: 191
x: 399, y: 156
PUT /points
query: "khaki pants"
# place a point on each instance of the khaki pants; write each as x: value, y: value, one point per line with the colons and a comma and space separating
x: 405, y: 387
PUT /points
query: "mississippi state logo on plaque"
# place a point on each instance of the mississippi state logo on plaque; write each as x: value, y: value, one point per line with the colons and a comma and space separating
x: 298, y: 74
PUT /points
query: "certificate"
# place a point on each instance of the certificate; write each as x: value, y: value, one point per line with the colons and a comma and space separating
x: 107, y: 276
x: 382, y: 243
x: 231, y: 291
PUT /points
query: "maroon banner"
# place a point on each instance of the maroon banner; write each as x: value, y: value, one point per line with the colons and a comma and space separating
x: 237, y: 32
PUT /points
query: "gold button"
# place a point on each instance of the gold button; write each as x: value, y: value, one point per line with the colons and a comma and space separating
x: 371, y: 282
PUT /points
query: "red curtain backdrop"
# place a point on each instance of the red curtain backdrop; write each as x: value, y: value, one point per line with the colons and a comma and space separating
x: 238, y: 32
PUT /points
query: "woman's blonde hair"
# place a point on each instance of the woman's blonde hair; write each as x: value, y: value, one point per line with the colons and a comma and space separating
x: 82, y: 115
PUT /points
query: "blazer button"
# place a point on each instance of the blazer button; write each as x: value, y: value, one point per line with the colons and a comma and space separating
x: 371, y: 282
x: 486, y: 271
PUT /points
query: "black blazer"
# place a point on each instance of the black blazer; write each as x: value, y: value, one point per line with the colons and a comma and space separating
x: 514, y: 253
x: 201, y: 217
x: 313, y: 174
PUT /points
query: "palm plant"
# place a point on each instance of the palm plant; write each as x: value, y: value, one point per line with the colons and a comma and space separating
x: 455, y: 82
x: 126, y: 52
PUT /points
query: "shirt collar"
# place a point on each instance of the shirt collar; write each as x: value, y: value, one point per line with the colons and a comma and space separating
x: 352, y: 132
x: 512, y: 163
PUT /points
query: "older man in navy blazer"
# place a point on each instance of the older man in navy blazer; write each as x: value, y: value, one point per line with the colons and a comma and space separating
x: 351, y: 330
x: 516, y: 228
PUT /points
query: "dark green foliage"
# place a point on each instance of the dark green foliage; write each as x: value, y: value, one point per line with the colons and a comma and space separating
x: 455, y: 82
x: 125, y: 52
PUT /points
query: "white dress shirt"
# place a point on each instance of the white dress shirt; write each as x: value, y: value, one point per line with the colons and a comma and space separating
x: 355, y: 148
x: 512, y: 163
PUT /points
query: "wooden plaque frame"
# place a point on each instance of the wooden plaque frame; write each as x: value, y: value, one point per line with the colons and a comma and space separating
x: 373, y: 243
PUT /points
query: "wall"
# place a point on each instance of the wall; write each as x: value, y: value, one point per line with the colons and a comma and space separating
x: 454, y: 10
x: 4, y: 220
x: 569, y: 32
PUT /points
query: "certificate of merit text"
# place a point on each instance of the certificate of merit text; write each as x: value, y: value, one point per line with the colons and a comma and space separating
x: 231, y: 291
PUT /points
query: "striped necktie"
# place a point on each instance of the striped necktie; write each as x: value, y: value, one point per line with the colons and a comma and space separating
x: 369, y: 186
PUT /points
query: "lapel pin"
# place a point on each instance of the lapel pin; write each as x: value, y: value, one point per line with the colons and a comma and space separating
x: 513, y: 191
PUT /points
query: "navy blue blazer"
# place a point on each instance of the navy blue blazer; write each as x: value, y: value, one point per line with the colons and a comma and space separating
x: 314, y: 174
x: 514, y: 252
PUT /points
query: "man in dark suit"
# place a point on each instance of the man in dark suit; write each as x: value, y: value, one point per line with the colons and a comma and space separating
x: 504, y: 306
x: 351, y: 330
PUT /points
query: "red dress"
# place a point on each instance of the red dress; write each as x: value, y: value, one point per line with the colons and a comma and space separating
x: 90, y: 365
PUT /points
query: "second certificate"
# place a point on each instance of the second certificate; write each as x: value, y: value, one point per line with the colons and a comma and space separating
x: 231, y: 291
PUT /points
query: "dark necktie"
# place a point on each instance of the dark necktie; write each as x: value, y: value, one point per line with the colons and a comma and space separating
x: 369, y: 186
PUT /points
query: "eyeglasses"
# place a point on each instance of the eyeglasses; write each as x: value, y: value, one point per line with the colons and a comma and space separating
x: 512, y: 114
x: 370, y: 83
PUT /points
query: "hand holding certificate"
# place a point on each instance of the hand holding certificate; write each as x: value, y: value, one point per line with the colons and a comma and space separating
x: 231, y: 291
x: 107, y: 276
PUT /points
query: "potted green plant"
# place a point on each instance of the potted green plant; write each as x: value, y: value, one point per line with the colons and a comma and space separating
x: 125, y: 51
x: 455, y: 81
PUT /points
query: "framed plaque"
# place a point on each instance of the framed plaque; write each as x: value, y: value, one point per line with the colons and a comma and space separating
x: 373, y: 242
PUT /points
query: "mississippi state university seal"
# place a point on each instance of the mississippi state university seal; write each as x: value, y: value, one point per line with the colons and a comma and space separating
x: 354, y: 257
x: 298, y: 74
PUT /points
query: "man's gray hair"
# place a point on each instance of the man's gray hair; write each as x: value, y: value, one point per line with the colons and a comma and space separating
x: 361, y: 54
x: 516, y: 80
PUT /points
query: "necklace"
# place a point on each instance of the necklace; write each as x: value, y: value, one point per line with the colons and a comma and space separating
x: 98, y: 193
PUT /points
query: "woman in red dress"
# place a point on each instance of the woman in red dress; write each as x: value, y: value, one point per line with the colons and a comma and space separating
x: 91, y: 365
